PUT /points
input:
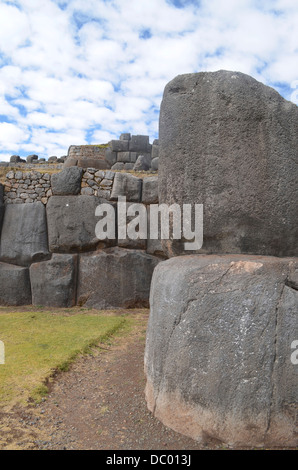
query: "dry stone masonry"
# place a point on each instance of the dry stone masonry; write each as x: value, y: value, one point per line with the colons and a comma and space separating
x: 129, y: 152
x: 49, y: 252
x: 222, y: 321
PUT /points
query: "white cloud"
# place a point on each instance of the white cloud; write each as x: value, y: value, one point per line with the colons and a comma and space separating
x: 12, y: 135
x: 81, y: 72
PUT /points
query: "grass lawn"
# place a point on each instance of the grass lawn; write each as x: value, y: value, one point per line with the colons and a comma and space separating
x: 38, y: 343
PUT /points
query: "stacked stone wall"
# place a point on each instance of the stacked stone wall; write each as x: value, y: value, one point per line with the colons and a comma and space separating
x: 49, y: 252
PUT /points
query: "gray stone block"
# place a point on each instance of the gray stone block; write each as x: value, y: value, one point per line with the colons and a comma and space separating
x: 72, y: 222
x: 16, y: 159
x: 139, y: 143
x: 24, y: 234
x: 154, y: 164
x: 155, y: 151
x: 154, y: 246
x: 93, y: 162
x: 123, y: 157
x: 133, y: 157
x: 235, y: 141
x: 14, y: 285
x: 119, y: 145
x: 125, y: 136
x: 69, y: 162
x: 67, y: 181
x: 127, y: 185
x: 218, y: 349
x: 115, y: 278
x: 110, y: 156
x: 128, y: 166
x: 53, y: 282
x: 32, y: 158
x: 128, y: 242
x: 150, y: 190
x: 143, y: 163
x: 118, y: 166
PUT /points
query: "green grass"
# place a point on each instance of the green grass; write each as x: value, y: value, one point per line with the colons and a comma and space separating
x: 38, y: 343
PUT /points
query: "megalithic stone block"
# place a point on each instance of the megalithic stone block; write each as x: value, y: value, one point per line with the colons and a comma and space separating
x: 219, y: 346
x: 53, y: 282
x: 24, y: 237
x: 231, y: 143
x: 116, y: 277
x: 67, y: 181
x: 139, y: 143
x: 14, y: 285
x: 72, y: 222
x: 127, y: 185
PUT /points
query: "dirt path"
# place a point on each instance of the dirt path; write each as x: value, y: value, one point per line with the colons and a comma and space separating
x: 98, y: 404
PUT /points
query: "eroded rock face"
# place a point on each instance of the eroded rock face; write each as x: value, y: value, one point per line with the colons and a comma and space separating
x: 115, y: 278
x: 67, y: 181
x: 218, y: 348
x: 53, y: 282
x: 71, y: 223
x: 24, y: 237
x: 231, y: 143
x: 14, y: 285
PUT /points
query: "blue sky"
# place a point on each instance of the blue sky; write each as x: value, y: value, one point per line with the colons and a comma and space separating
x: 84, y: 71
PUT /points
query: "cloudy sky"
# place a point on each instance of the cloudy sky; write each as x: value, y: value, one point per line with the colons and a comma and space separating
x: 84, y: 71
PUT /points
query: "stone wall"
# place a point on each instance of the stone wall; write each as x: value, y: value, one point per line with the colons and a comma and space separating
x: 33, y: 186
x: 87, y: 156
x: 49, y: 252
x: 129, y: 152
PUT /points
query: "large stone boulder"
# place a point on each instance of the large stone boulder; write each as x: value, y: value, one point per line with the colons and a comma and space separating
x: 218, y: 349
x: 114, y: 278
x: 72, y: 222
x: 24, y: 238
x: 53, y: 282
x: 14, y: 285
x: 231, y: 143
x: 67, y: 181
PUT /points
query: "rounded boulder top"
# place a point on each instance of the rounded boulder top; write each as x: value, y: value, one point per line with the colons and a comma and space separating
x: 230, y: 143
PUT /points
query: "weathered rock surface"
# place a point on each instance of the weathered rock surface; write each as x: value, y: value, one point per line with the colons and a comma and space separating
x: 127, y: 185
x: 218, y: 348
x: 31, y: 158
x: 24, y: 234
x: 150, y: 190
x: 53, y: 282
x: 14, y: 285
x: 154, y: 164
x: 231, y: 143
x: 72, y: 222
x: 139, y: 239
x: 67, y: 181
x: 143, y: 163
x: 120, y: 278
